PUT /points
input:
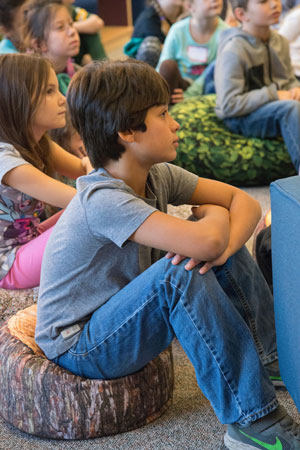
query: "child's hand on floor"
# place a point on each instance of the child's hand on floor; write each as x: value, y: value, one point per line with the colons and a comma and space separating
x: 177, y: 96
x: 295, y: 93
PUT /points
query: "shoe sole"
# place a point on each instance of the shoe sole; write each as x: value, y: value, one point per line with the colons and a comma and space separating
x: 233, y: 444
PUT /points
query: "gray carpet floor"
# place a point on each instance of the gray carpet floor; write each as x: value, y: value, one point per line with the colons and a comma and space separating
x: 189, y: 423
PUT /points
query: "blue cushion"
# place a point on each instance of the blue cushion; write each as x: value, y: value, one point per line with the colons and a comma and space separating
x: 285, y: 204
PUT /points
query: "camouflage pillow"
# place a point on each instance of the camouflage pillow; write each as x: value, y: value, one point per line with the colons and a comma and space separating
x: 210, y: 150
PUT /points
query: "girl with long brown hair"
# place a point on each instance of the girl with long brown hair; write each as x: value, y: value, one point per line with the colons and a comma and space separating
x: 31, y: 104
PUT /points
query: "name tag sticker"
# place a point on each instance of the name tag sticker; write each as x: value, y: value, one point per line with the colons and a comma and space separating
x: 198, y: 54
x: 69, y: 332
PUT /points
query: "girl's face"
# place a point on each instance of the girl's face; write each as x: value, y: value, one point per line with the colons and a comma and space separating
x: 63, y: 39
x: 205, y: 8
x: 172, y: 8
x: 51, y: 110
x: 18, y: 19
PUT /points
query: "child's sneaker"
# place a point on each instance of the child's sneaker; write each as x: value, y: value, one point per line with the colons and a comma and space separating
x: 274, y: 374
x: 276, y: 431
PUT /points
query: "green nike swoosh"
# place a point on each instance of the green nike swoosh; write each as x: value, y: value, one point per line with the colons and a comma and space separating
x: 276, y: 446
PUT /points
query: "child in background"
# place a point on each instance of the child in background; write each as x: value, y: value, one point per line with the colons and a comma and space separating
x: 27, y: 160
x: 290, y: 29
x: 50, y: 32
x: 11, y: 23
x: 190, y: 48
x: 151, y: 28
x: 108, y: 303
x: 68, y: 138
x: 88, y: 26
x: 257, y: 91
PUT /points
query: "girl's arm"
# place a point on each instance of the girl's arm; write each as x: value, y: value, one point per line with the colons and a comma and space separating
x: 67, y: 164
x: 33, y: 182
x: 91, y: 25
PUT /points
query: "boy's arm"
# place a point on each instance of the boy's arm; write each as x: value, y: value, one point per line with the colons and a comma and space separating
x: 292, y: 81
x: 244, y: 213
x: 232, y: 98
x: 203, y: 240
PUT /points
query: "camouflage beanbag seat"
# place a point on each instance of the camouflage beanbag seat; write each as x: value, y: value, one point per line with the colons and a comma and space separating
x: 209, y: 149
x: 42, y: 399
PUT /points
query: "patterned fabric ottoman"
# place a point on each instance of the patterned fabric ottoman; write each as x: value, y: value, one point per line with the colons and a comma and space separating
x: 42, y: 399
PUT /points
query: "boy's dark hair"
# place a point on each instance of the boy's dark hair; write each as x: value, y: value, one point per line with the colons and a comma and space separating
x: 7, y: 11
x: 239, y: 4
x: 106, y: 97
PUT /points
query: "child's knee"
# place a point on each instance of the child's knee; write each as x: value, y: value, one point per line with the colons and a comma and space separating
x: 168, y: 68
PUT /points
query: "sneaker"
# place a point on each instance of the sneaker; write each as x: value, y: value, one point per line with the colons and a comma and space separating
x: 276, y: 431
x: 274, y: 374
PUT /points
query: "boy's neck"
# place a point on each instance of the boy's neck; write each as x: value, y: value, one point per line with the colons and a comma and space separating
x: 130, y: 172
x: 202, y: 29
x: 262, y: 33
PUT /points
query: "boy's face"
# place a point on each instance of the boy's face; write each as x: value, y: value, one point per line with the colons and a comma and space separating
x: 159, y: 142
x: 262, y: 12
x: 205, y: 8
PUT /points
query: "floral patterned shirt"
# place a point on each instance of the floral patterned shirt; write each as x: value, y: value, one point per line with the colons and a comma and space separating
x: 19, y: 213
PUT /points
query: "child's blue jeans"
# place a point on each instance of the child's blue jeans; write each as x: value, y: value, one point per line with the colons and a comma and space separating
x: 224, y: 321
x: 278, y: 118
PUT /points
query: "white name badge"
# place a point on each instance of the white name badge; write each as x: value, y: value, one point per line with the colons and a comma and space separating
x: 198, y: 54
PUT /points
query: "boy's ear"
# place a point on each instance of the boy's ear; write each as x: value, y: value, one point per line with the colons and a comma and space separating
x: 240, y: 14
x: 126, y: 136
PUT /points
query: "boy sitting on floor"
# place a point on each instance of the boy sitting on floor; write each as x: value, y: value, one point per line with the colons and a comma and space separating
x: 109, y: 303
x: 257, y: 92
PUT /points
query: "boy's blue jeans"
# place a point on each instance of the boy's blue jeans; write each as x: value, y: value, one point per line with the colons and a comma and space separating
x: 224, y: 321
x: 278, y: 118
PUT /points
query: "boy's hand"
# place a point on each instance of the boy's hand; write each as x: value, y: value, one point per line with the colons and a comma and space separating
x: 284, y: 95
x: 192, y: 263
x: 295, y: 93
x: 216, y: 262
x: 200, y: 212
x: 176, y: 259
x: 177, y: 96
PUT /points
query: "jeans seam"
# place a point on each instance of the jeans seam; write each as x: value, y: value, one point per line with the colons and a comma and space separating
x: 214, y: 357
x: 247, y: 310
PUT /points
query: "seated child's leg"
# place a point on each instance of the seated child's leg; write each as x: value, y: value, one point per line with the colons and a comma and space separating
x: 25, y: 272
x: 90, y: 44
x: 149, y: 51
x: 271, y: 120
x: 170, y: 71
x: 213, y: 316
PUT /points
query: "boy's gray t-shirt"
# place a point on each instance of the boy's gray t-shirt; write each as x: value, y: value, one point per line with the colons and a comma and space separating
x: 89, y: 258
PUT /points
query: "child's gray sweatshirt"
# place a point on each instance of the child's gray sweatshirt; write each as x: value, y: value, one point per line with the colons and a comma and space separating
x: 249, y: 72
